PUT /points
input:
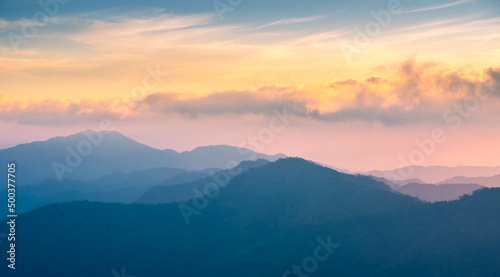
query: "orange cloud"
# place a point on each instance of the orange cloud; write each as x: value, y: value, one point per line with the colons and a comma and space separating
x: 416, y: 92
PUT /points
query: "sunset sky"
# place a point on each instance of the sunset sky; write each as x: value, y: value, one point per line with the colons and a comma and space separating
x: 359, y: 80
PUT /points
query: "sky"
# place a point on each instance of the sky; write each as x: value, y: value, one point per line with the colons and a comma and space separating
x: 358, y: 85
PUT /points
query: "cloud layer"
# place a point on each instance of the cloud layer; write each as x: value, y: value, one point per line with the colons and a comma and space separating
x: 416, y: 92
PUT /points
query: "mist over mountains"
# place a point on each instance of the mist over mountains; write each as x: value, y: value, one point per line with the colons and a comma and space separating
x: 436, y: 193
x: 492, y: 181
x: 324, y: 138
x: 121, y: 170
x: 265, y: 221
x: 435, y: 174
x: 89, y: 155
x: 214, y: 211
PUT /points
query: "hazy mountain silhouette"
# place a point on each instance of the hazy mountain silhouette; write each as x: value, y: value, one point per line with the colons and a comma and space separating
x: 117, y: 187
x: 435, y: 193
x: 435, y: 174
x: 493, y: 181
x: 398, y: 183
x: 429, y: 192
x: 91, y: 156
x: 263, y: 222
x: 114, y: 153
x: 166, y: 192
x: 139, y: 177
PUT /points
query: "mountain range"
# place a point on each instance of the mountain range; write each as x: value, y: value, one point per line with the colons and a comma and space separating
x: 113, y: 188
x: 436, y: 174
x: 436, y: 193
x: 492, y: 181
x: 121, y: 170
x: 159, y: 185
x: 227, y: 211
x: 89, y: 155
x: 286, y: 216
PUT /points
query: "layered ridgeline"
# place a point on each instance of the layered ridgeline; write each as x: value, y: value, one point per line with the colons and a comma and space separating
x: 286, y: 218
x: 163, y: 184
x: 89, y: 155
x: 437, y: 174
x: 114, y: 188
x: 430, y: 192
x: 436, y: 193
x: 165, y: 192
x: 492, y: 181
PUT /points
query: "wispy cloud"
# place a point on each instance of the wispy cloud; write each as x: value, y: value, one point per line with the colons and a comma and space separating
x: 451, y: 31
x: 100, y: 30
x: 437, y: 7
x: 288, y: 21
x: 223, y: 56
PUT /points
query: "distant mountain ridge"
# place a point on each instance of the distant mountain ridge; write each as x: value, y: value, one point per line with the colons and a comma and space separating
x: 436, y: 193
x: 113, y: 188
x: 435, y: 174
x: 165, y: 192
x: 164, y: 184
x: 266, y: 220
x: 430, y: 192
x: 88, y: 155
x: 493, y: 181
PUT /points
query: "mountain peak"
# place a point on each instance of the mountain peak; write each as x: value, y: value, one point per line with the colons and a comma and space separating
x: 303, y: 192
x: 91, y: 154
